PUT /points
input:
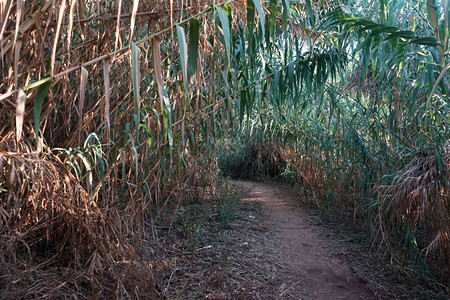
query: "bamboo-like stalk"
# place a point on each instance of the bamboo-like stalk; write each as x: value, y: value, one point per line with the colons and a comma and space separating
x: 142, y: 132
x: 87, y: 119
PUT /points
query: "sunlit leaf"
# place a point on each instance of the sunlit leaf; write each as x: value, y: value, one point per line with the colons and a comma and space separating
x: 183, y: 53
x: 261, y: 16
x: 226, y: 32
x: 20, y: 111
x: 83, y: 81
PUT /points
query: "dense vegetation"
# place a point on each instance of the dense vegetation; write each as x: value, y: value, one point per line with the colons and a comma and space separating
x: 356, y: 111
x: 111, y: 109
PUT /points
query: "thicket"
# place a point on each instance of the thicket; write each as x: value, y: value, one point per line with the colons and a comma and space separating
x: 108, y: 111
x: 356, y: 110
x: 112, y: 108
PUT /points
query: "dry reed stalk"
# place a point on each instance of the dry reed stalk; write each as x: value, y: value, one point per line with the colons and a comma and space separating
x: 70, y: 28
x: 58, y: 220
x: 20, y: 111
x: 107, y: 97
x: 61, y: 12
x: 116, y: 43
x: 47, y: 217
x: 133, y: 20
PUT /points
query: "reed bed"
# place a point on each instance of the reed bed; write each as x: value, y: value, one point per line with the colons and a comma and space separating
x: 112, y: 108
x: 354, y: 109
x: 107, y: 111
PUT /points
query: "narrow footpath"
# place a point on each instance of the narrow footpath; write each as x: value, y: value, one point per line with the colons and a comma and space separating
x: 320, y: 271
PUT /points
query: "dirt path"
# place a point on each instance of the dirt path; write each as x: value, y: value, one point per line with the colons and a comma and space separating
x: 314, y: 261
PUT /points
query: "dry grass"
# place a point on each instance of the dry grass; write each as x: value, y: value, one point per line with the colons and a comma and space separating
x: 418, y: 197
x: 74, y: 206
x: 55, y: 240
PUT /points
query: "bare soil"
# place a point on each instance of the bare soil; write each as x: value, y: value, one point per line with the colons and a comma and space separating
x: 267, y: 248
x: 268, y: 243
x: 314, y: 261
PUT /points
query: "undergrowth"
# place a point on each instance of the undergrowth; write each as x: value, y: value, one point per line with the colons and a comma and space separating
x: 404, y: 248
x: 112, y: 108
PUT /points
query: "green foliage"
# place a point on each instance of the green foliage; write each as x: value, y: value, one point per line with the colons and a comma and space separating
x: 227, y: 208
x: 244, y: 157
x: 87, y: 163
x: 343, y: 99
x: 38, y: 102
x: 221, y: 210
x: 226, y: 32
x: 336, y: 96
x: 194, y: 32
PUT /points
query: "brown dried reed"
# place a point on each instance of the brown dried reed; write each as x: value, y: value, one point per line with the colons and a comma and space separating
x: 51, y: 230
x: 59, y: 238
x: 419, y: 197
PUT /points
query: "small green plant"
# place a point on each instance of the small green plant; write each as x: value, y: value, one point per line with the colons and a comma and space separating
x: 227, y: 208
